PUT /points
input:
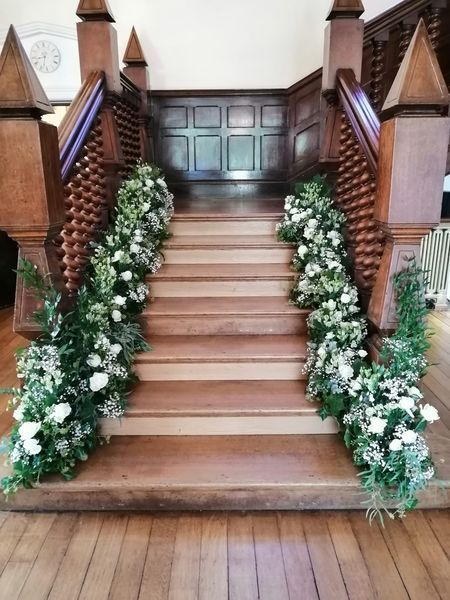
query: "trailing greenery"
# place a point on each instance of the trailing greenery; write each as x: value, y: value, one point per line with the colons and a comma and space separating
x: 376, y: 405
x: 80, y: 367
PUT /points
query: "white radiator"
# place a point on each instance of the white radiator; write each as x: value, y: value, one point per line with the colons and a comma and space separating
x: 435, y: 256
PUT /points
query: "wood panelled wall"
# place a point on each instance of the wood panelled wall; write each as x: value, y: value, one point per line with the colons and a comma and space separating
x: 249, y: 135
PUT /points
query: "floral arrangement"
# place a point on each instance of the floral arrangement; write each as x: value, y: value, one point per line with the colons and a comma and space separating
x: 377, y: 405
x: 81, y: 366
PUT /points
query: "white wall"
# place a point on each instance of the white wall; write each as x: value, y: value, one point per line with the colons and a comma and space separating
x: 195, y: 44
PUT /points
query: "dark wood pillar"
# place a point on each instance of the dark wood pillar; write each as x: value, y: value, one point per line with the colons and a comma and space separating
x: 31, y: 191
x: 412, y: 157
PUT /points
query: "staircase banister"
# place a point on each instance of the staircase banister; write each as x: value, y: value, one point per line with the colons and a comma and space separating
x: 78, y: 120
x: 129, y: 86
x: 364, y: 121
x: 392, y: 17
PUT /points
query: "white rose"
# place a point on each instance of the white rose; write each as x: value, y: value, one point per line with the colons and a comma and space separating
x: 134, y: 248
x: 98, y: 381
x: 127, y: 275
x: 377, y: 425
x: 94, y: 360
x: 302, y: 250
x: 429, y: 413
x: 331, y: 304
x: 119, y: 300
x: 146, y: 206
x: 312, y: 223
x: 18, y: 413
x: 407, y: 404
x: 61, y: 411
x: 161, y: 182
x: 32, y: 446
x: 295, y: 218
x: 395, y: 445
x: 345, y: 371
x: 149, y: 183
x: 116, y: 349
x: 116, y: 315
x: 409, y: 436
x: 118, y: 255
x: 322, y: 352
x: 362, y: 353
x: 29, y: 429
x: 345, y: 298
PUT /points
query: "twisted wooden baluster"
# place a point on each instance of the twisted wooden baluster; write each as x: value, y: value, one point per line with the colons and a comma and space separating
x: 406, y: 33
x: 434, y: 25
x: 376, y: 73
x: 127, y: 118
x: 85, y: 203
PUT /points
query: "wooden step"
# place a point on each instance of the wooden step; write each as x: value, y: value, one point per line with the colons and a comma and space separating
x: 219, y: 408
x: 212, y: 473
x: 245, y: 357
x: 218, y: 249
x: 224, y: 316
x: 207, y: 281
x: 229, y: 224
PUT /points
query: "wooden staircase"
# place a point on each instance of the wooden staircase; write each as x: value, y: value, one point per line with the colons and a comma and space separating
x: 219, y: 418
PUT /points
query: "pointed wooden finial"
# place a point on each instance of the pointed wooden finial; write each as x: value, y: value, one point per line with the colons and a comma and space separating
x: 346, y: 9
x: 134, y: 54
x: 20, y: 89
x: 95, y: 10
x: 419, y: 81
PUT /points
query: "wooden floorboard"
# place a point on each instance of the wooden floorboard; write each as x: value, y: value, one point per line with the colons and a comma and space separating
x: 219, y: 555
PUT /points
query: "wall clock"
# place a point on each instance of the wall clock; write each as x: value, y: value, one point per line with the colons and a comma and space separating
x: 45, y: 56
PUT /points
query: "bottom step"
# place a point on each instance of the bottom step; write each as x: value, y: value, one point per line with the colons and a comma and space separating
x: 202, y: 473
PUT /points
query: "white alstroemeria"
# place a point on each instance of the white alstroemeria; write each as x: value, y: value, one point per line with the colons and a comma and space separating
x: 98, y: 381
x: 138, y: 236
x: 127, y: 275
x: 32, y: 446
x: 334, y: 237
x: 60, y: 411
x: 294, y: 211
x: 429, y: 413
x: 395, y: 445
x: 161, y: 182
x: 407, y: 404
x: 145, y: 206
x: 377, y: 425
x: 302, y: 251
x: 18, y: 413
x: 116, y: 315
x: 29, y: 429
x: 119, y: 300
x: 116, y: 349
x: 409, y: 436
x: 134, y: 248
x: 118, y: 255
x: 331, y: 304
x: 94, y: 360
x: 345, y: 298
x: 312, y: 223
x: 295, y: 218
x: 321, y: 352
x: 370, y: 411
x: 149, y: 183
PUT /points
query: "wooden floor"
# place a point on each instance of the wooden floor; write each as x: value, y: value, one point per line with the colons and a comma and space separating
x: 220, y: 556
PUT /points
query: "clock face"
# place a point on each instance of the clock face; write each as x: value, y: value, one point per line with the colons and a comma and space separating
x: 45, y: 56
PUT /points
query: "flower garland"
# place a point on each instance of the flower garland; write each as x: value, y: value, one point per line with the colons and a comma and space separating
x: 81, y: 366
x: 376, y: 405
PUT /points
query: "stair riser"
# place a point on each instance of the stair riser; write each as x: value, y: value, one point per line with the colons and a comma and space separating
x: 239, y: 325
x: 238, y: 371
x: 221, y: 256
x: 217, y: 289
x: 223, y: 227
x: 266, y: 425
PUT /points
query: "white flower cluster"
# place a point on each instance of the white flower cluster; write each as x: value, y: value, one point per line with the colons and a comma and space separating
x: 378, y: 409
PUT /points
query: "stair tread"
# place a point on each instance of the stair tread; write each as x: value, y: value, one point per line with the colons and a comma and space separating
x: 223, y: 216
x: 239, y: 305
x: 227, y: 348
x: 216, y: 398
x: 210, y: 272
x: 148, y: 462
x: 227, y: 241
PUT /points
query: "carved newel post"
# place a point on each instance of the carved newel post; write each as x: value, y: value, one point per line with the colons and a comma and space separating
x: 31, y: 192
x: 343, y: 49
x: 411, y: 167
x: 99, y: 51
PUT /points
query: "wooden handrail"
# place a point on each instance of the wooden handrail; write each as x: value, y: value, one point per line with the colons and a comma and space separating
x: 364, y: 121
x: 130, y: 86
x: 77, y: 122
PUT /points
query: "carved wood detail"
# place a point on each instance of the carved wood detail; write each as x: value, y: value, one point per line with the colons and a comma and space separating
x: 377, y: 73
